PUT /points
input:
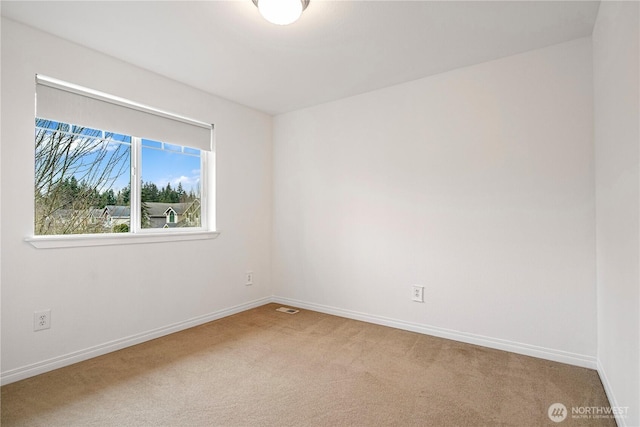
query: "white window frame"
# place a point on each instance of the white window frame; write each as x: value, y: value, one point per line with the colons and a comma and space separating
x: 135, y: 201
x: 137, y: 234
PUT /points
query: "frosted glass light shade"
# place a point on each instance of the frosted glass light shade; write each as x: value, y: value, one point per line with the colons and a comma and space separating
x: 280, y: 12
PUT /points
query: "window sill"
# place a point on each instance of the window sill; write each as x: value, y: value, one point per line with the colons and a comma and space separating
x: 84, y: 240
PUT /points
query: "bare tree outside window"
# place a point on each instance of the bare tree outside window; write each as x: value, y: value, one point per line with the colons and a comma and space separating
x: 76, y: 172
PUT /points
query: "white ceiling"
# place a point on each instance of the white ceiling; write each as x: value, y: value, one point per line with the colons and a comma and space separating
x: 337, y: 49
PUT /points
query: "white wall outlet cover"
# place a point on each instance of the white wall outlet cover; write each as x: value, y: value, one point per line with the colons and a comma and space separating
x: 417, y: 293
x: 41, y: 320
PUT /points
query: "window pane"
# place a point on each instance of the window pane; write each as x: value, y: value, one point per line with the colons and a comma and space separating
x: 118, y: 137
x: 191, y: 151
x: 170, y: 190
x: 82, y: 180
x: 151, y: 144
x: 175, y: 148
x: 86, y: 131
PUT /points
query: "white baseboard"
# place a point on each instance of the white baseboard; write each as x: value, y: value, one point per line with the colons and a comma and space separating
x: 621, y: 421
x: 98, y: 350
x: 496, y: 343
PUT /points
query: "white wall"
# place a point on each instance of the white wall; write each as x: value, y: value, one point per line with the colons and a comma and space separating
x: 100, y: 296
x: 476, y: 183
x: 617, y: 135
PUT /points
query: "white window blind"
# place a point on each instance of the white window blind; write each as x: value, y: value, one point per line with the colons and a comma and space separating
x: 66, y: 102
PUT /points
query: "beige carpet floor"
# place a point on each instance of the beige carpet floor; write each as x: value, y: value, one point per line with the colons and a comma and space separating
x: 266, y: 368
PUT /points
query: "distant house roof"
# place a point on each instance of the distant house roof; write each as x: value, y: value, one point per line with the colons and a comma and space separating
x: 154, y: 209
x: 62, y: 213
x: 161, y: 209
x: 96, y: 213
x: 118, y: 211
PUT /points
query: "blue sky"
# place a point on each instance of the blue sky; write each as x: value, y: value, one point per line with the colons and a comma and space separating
x: 161, y: 163
x: 163, y: 166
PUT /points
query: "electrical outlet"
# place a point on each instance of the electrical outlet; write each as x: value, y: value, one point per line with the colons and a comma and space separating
x: 418, y: 293
x: 41, y: 320
x: 249, y: 278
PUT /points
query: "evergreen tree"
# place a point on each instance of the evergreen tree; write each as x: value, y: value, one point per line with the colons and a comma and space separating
x: 149, y: 192
x: 182, y: 195
x: 169, y: 195
x: 123, y: 196
x: 107, y: 198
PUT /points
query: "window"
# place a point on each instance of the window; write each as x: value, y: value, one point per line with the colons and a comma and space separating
x: 167, y: 203
x: 105, y: 165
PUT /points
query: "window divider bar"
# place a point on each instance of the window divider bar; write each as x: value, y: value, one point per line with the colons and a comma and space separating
x: 135, y: 202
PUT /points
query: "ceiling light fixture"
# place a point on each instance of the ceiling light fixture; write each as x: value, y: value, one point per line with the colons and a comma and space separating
x: 281, y: 12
